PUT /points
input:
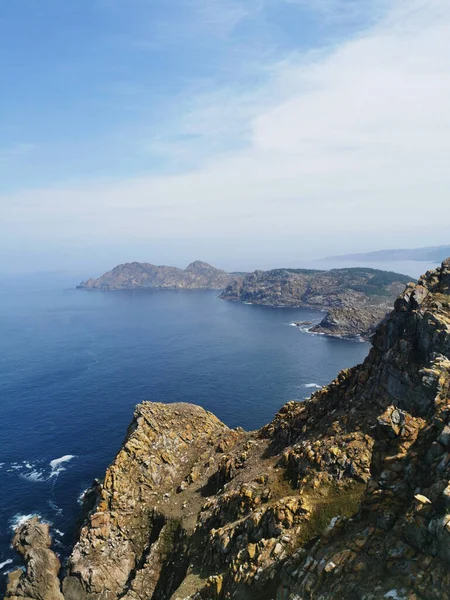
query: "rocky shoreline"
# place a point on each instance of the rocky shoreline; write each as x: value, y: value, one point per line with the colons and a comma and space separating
x: 351, y: 322
x: 345, y: 495
x: 356, y: 299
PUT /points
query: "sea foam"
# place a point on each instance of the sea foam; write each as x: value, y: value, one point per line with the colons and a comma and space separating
x: 3, y: 564
x: 17, y: 520
x: 34, y: 476
x: 57, y: 462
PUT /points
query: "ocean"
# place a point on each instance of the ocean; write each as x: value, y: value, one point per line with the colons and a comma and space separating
x: 74, y: 364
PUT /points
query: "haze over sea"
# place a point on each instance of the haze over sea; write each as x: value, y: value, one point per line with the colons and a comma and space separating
x: 75, y: 363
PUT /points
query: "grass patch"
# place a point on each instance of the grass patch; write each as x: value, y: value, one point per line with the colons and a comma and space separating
x: 329, y: 501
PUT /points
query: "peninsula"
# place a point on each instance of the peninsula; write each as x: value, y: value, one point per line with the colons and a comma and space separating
x: 356, y: 299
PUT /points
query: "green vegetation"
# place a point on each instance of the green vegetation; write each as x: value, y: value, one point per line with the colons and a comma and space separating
x: 297, y: 271
x: 371, y: 282
x: 377, y: 277
x: 329, y: 501
x: 169, y: 535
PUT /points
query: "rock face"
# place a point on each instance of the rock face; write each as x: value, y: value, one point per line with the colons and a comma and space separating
x: 343, y: 496
x: 137, y: 524
x: 198, y: 275
x: 356, y: 321
x: 356, y: 298
x: 40, y: 580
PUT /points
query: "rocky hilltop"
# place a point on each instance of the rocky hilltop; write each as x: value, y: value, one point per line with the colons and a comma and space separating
x: 343, y: 496
x: 356, y: 299
x: 198, y: 275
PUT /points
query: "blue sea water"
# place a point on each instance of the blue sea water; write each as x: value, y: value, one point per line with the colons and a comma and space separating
x: 74, y: 364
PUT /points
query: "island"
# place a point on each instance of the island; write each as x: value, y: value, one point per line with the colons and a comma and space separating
x: 136, y: 275
x: 356, y: 299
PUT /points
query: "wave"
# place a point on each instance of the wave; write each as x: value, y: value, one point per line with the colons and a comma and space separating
x: 8, y: 561
x: 312, y: 385
x: 15, y: 467
x: 55, y: 464
x: 303, y: 328
x: 35, y: 476
x: 38, y: 472
x: 82, y: 496
x: 17, y: 520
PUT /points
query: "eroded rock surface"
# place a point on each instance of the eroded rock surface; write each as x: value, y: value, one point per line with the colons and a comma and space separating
x: 136, y: 518
x: 343, y: 496
x: 40, y: 579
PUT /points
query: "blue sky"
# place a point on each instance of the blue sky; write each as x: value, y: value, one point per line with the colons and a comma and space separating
x: 91, y: 86
x: 157, y: 130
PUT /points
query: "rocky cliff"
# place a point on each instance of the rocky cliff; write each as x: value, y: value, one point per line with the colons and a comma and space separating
x: 356, y: 298
x: 351, y: 321
x: 40, y: 579
x: 343, y: 496
x: 198, y: 275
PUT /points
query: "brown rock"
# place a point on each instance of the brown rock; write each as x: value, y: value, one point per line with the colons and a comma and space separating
x: 40, y: 579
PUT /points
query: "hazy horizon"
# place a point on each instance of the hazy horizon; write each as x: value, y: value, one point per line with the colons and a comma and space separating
x: 69, y: 277
x: 249, y: 134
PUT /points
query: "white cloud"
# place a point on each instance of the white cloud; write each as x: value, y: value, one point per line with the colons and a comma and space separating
x: 344, y: 10
x: 354, y: 138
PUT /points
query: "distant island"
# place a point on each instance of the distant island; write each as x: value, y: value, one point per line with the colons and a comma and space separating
x: 135, y: 275
x: 356, y: 299
x: 430, y: 254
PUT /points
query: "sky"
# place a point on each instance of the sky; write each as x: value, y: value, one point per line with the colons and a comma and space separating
x: 247, y: 133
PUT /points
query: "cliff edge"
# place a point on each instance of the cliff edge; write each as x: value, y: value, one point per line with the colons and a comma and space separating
x: 343, y: 496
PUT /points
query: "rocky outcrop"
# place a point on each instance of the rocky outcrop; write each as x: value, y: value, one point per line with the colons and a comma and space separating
x: 356, y: 298
x: 345, y: 495
x: 356, y: 321
x: 40, y: 579
x: 132, y: 529
x: 198, y: 275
